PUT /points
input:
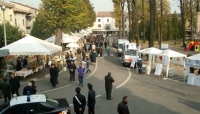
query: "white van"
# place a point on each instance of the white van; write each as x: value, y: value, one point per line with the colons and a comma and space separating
x: 120, y: 46
x: 129, y: 51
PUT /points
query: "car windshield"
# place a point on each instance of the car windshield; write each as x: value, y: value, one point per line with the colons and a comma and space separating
x: 120, y: 46
x: 52, y: 101
x: 130, y: 52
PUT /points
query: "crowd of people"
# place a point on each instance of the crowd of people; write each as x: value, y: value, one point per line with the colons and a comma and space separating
x: 12, y: 87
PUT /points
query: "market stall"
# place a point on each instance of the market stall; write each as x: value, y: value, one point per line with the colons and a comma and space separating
x: 150, y: 52
x: 30, y: 47
x: 168, y: 56
x: 192, y: 62
x: 65, y: 39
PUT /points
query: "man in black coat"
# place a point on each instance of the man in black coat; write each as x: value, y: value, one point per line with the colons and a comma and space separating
x: 72, y: 69
x: 108, y: 85
x: 105, y: 44
x: 53, y: 75
x: 79, y: 102
x: 14, y: 82
x: 91, y: 99
x: 28, y: 88
x: 122, y: 106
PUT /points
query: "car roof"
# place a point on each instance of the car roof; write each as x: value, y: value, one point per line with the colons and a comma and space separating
x: 23, y: 99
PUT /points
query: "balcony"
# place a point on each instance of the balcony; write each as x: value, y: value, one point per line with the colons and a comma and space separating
x: 28, y: 24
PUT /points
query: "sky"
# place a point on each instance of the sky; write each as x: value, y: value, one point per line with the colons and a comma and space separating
x: 99, y: 5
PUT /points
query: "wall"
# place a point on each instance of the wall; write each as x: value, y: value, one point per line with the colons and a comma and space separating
x: 20, y: 21
x: 8, y: 12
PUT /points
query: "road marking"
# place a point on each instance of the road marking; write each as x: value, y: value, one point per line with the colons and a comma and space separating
x: 86, y: 99
x: 175, y: 80
x: 110, y: 55
x: 94, y: 70
x: 54, y: 89
x: 129, y: 76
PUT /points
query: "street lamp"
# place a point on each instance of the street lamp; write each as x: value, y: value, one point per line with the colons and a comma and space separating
x: 4, y: 23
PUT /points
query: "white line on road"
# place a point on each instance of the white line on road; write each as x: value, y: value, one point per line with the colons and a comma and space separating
x: 94, y: 70
x: 129, y: 76
x: 96, y: 97
x: 54, y: 89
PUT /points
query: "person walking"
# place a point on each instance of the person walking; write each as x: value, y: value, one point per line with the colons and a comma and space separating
x: 108, y: 85
x: 122, y: 106
x: 91, y: 99
x: 6, y: 90
x: 28, y: 88
x: 139, y: 64
x: 87, y: 64
x: 83, y: 54
x: 101, y: 51
x: 72, y: 69
x: 53, y: 75
x: 14, y: 82
x: 108, y: 50
x: 94, y: 56
x: 105, y: 44
x: 79, y: 102
x: 81, y: 71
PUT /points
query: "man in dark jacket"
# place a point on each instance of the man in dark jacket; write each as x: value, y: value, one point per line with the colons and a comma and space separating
x: 122, y: 106
x: 14, y: 82
x: 53, y: 75
x: 72, y: 69
x: 79, y: 102
x: 105, y: 44
x: 91, y: 99
x: 108, y: 85
x: 28, y: 88
x: 6, y: 90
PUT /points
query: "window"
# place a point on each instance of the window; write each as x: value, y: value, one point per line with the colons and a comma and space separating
x: 33, y: 108
x: 124, y: 20
x: 107, y: 20
x: 23, y: 21
x: 10, y: 17
x: 15, y: 22
x: 17, y: 109
x: 99, y: 20
x: 0, y: 17
x: 125, y: 26
x: 99, y: 25
x: 131, y: 52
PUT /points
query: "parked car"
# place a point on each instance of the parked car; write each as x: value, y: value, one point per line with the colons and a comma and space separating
x: 38, y: 104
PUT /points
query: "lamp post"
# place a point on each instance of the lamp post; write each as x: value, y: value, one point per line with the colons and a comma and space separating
x: 4, y: 23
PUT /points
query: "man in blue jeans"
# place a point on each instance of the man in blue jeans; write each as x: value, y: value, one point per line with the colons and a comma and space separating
x: 81, y: 71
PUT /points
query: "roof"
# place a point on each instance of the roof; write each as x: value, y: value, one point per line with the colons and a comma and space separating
x: 19, y: 10
x: 6, y: 4
x: 24, y: 5
x: 108, y: 14
x: 23, y: 99
x: 105, y: 14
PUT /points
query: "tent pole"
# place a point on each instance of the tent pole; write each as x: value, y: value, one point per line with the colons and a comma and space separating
x: 168, y: 67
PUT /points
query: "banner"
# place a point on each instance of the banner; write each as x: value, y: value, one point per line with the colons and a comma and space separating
x: 192, y: 63
x: 134, y: 60
x: 158, y: 70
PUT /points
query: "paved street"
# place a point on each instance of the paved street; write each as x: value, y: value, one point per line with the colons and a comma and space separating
x: 147, y: 94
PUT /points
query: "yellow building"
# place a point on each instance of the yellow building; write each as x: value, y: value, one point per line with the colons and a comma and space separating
x: 9, y: 14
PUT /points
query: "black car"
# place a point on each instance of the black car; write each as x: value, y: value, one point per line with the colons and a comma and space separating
x: 38, y: 104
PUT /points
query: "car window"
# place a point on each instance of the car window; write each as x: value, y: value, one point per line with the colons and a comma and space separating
x: 131, y: 52
x: 52, y: 101
x: 16, y: 109
x: 120, y: 46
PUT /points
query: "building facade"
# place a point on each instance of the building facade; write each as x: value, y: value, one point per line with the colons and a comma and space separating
x: 19, y: 15
x: 9, y: 14
x: 105, y: 22
x: 25, y: 16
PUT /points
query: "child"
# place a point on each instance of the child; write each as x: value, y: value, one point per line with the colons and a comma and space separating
x: 87, y: 60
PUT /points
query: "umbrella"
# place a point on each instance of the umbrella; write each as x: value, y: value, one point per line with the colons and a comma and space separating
x: 73, y: 45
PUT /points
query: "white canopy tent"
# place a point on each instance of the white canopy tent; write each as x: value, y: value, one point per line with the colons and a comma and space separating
x: 83, y: 32
x: 72, y: 45
x: 32, y: 46
x: 79, y: 34
x: 86, y: 32
x: 167, y: 54
x: 65, y: 39
x: 75, y: 36
x: 150, y: 51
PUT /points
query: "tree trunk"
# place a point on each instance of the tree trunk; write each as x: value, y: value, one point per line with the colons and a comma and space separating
x: 161, y: 25
x: 152, y: 22
x: 143, y: 24
x: 129, y: 19
x: 58, y: 36
x: 191, y: 18
x: 120, y: 30
x: 183, y: 20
